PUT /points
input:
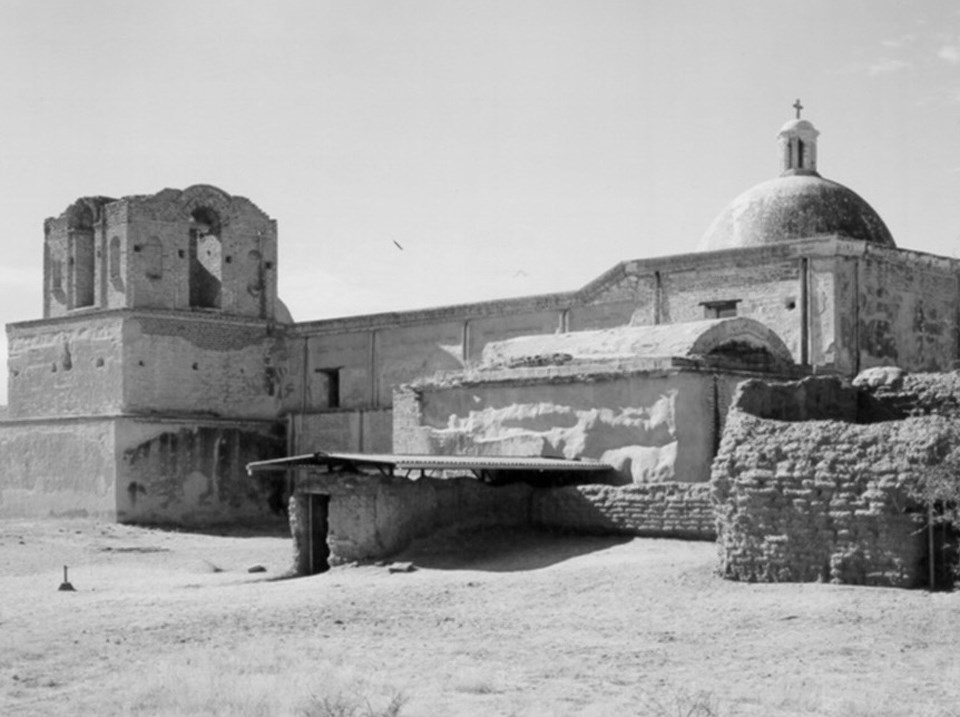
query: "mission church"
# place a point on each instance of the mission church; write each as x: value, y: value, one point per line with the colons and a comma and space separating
x: 165, y: 362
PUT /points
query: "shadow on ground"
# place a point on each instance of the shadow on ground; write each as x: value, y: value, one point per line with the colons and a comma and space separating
x: 266, y: 528
x: 503, y: 549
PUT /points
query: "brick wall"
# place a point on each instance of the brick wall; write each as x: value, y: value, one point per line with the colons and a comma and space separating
x: 677, y: 510
x: 827, y: 500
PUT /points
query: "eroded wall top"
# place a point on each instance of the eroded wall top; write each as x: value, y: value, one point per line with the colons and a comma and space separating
x: 197, y: 249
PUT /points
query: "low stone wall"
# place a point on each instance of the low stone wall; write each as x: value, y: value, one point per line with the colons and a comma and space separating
x: 672, y: 510
x: 827, y: 500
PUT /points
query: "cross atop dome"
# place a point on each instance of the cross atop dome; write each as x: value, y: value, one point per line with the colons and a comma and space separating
x: 798, y: 145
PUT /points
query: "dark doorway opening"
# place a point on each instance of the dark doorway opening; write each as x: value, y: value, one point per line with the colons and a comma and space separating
x: 318, y: 526
x: 943, y: 546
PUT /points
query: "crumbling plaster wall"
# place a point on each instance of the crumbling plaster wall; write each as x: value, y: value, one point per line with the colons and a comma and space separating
x: 248, y: 248
x: 62, y: 468
x: 215, y: 367
x: 134, y: 253
x: 67, y: 367
x: 838, y: 304
x: 652, y: 427
x: 800, y: 499
x: 907, y: 312
x: 365, y: 431
x: 193, y: 473
x: 769, y: 292
x: 373, y: 355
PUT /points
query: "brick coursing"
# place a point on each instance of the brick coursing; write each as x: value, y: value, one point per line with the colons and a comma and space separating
x: 830, y: 500
x: 672, y: 509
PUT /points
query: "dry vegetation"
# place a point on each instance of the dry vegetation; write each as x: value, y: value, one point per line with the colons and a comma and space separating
x: 495, y: 623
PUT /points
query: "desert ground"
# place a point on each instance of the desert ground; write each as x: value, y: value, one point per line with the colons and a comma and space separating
x: 506, y: 622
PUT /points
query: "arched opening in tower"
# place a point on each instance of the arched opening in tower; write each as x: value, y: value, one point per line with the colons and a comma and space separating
x: 206, y: 259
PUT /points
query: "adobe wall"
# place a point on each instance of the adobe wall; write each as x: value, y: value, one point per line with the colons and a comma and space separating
x: 829, y: 500
x: 665, y: 510
x: 908, y: 310
x: 768, y: 291
x: 246, y: 244
x: 134, y: 470
x: 653, y: 427
x: 194, y: 473
x: 137, y: 253
x: 69, y: 367
x: 375, y: 354
x: 372, y: 517
x: 211, y: 366
x: 364, y: 431
x: 58, y: 468
x: 838, y: 304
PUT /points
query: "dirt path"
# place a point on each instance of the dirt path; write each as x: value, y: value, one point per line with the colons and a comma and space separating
x: 495, y: 623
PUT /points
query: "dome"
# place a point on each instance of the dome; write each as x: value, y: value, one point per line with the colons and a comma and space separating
x: 795, y: 207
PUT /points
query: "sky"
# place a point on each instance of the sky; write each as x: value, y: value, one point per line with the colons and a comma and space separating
x: 510, y: 147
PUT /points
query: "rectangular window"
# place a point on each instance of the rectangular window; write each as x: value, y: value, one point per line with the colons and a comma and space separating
x: 720, y: 309
x: 328, y: 387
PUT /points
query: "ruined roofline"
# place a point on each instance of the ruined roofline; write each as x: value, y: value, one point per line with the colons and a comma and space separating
x: 98, y: 203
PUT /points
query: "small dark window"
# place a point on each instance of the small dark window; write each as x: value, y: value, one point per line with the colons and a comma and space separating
x: 720, y: 309
x: 328, y: 387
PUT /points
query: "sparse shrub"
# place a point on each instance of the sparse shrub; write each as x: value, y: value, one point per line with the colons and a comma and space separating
x: 698, y: 704
x: 348, y: 706
x: 937, y: 489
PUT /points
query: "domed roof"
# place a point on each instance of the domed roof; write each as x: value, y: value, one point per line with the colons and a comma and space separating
x: 792, y: 207
x: 796, y: 205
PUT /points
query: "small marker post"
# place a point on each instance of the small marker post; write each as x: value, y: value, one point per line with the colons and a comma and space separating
x: 65, y: 586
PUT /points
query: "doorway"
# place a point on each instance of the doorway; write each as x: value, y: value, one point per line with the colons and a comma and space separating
x: 318, y: 525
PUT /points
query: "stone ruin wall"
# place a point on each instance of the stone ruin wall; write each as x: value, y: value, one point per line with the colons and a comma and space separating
x: 801, y: 499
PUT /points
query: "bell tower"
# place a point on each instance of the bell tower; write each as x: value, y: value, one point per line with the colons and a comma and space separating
x: 798, y: 146
x: 197, y: 250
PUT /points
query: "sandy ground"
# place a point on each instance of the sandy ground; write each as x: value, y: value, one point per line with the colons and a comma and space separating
x: 493, y: 623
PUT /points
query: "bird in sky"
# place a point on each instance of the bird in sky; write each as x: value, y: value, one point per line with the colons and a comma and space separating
x: 398, y: 245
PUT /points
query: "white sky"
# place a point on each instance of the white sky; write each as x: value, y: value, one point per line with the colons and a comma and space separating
x: 510, y: 146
